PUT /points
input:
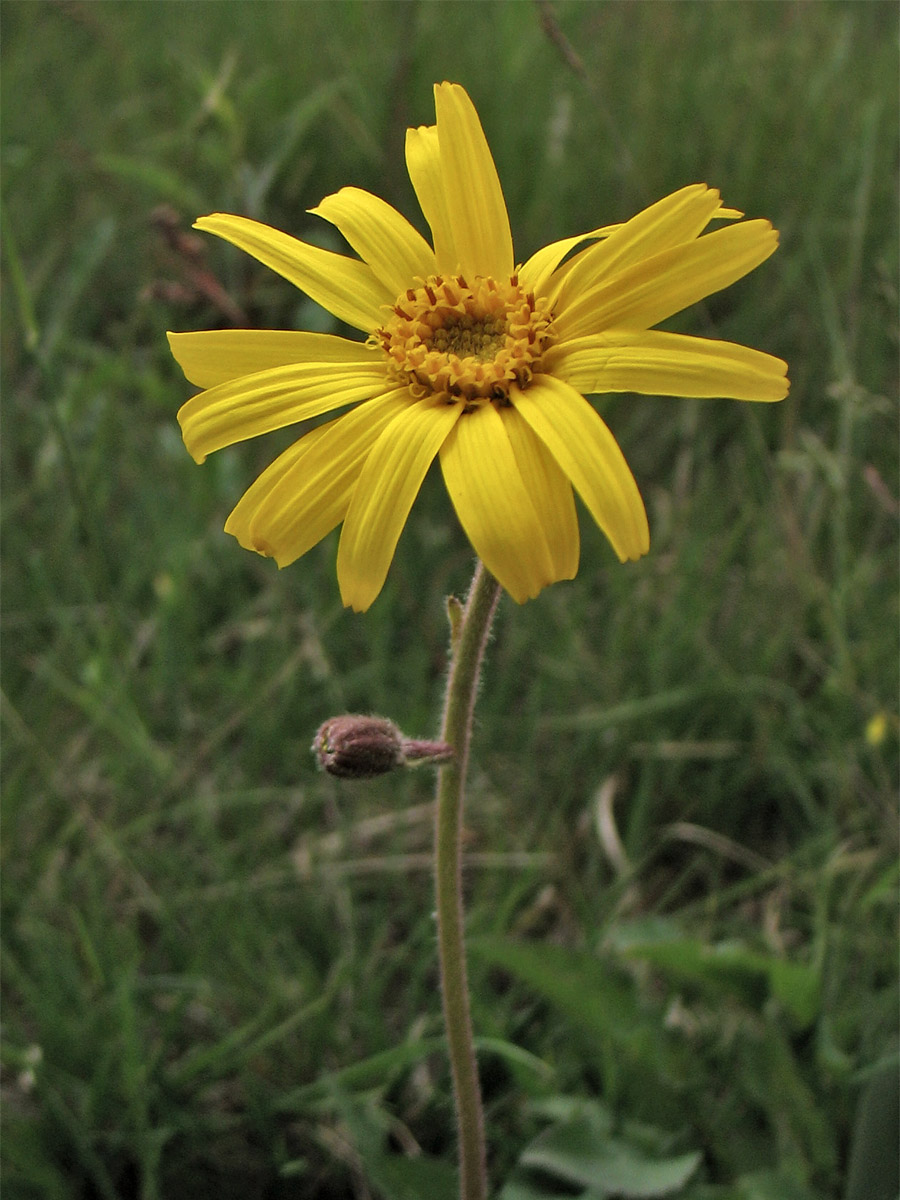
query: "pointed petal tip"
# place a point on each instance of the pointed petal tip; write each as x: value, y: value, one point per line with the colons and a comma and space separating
x: 258, y: 545
x: 189, y: 443
x: 173, y: 339
x: 637, y: 545
x: 780, y: 385
x: 203, y: 222
x: 241, y: 531
x: 354, y: 599
x: 633, y: 552
x: 316, y: 210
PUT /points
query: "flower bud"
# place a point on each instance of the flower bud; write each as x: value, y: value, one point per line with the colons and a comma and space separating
x: 357, y: 747
x: 360, y: 747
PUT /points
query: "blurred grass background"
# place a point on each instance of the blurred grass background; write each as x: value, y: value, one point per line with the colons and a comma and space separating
x: 219, y: 966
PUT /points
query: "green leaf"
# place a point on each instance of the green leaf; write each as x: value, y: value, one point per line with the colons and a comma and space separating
x: 21, y: 289
x: 730, y: 969
x: 292, y: 130
x: 797, y: 988
x: 593, y: 995
x: 370, y: 1072
x: 393, y: 1176
x: 69, y: 293
x: 514, y: 1055
x: 160, y: 183
x: 399, y: 1178
x: 873, y: 1173
x: 772, y: 1185
x: 580, y: 1152
x: 522, y: 1186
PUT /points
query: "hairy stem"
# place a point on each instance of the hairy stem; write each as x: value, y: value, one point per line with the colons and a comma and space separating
x: 469, y: 638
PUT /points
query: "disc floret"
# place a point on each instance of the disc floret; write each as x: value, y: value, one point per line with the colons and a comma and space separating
x: 468, y: 342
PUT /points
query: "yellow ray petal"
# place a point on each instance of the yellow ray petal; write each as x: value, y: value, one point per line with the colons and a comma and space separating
x: 667, y: 364
x: 656, y: 288
x: 423, y: 162
x: 395, y: 251
x: 220, y: 355
x: 477, y: 210
x: 493, y: 505
x: 550, y: 492
x: 255, y: 404
x: 675, y: 219
x: 347, y: 288
x: 305, y: 493
x: 241, y: 516
x: 535, y: 273
x: 387, y: 486
x: 588, y: 453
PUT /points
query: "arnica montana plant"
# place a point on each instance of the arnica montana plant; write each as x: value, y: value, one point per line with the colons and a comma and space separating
x: 483, y: 363
x: 469, y: 357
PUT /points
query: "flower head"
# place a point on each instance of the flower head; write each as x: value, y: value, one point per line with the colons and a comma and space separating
x: 469, y: 358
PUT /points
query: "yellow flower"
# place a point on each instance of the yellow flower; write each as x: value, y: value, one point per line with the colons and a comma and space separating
x: 876, y: 729
x: 470, y: 358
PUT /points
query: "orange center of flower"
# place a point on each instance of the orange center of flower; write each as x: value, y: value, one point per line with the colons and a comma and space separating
x: 466, y: 342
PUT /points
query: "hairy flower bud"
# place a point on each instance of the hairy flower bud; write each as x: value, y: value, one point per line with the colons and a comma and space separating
x: 357, y: 747
x: 360, y: 747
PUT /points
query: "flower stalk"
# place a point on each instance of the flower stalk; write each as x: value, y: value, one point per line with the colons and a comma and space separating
x: 470, y: 630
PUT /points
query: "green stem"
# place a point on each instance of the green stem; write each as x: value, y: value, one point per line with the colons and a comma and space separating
x: 470, y: 635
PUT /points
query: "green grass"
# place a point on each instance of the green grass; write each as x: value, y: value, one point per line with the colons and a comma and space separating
x: 219, y: 966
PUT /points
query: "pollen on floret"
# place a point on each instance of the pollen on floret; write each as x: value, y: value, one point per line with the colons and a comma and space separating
x: 467, y: 342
